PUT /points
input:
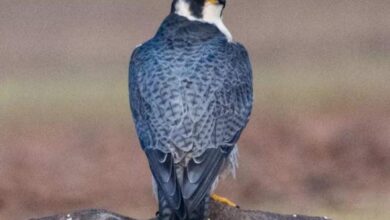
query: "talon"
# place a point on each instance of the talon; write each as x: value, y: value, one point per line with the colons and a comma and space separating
x: 224, y: 201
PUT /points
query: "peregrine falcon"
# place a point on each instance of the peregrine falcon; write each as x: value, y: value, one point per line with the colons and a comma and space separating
x: 191, y: 97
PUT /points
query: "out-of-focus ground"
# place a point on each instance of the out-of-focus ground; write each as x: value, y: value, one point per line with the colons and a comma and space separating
x: 318, y: 141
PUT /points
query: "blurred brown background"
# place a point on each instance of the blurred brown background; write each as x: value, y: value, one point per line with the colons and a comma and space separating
x: 318, y: 141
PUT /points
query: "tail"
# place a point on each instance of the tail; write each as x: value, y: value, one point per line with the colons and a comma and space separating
x: 187, y: 197
x: 167, y: 213
x: 202, y: 212
x: 171, y: 203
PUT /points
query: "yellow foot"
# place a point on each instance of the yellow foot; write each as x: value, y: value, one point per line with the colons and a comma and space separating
x: 223, y: 200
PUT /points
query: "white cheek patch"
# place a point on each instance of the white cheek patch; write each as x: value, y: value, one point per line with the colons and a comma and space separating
x: 211, y: 14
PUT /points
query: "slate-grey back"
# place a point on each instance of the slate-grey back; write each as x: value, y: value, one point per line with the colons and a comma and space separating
x: 191, y: 97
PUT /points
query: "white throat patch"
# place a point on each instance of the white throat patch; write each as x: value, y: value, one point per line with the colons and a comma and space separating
x: 211, y: 14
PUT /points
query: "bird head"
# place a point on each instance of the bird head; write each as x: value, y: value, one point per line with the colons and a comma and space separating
x: 206, y: 10
x: 209, y: 11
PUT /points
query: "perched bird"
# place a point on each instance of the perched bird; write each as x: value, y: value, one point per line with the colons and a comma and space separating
x: 190, y: 96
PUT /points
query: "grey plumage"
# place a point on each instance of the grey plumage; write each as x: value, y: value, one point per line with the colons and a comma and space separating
x: 191, y: 97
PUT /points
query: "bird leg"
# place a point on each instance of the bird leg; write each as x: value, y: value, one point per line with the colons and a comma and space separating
x: 224, y: 200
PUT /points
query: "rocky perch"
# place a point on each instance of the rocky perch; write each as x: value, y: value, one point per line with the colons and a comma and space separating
x: 218, y: 212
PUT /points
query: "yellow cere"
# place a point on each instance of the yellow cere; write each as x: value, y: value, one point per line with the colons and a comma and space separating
x: 213, y: 1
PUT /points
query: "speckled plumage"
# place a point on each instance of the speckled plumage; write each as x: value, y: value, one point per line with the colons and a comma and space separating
x: 191, y: 97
